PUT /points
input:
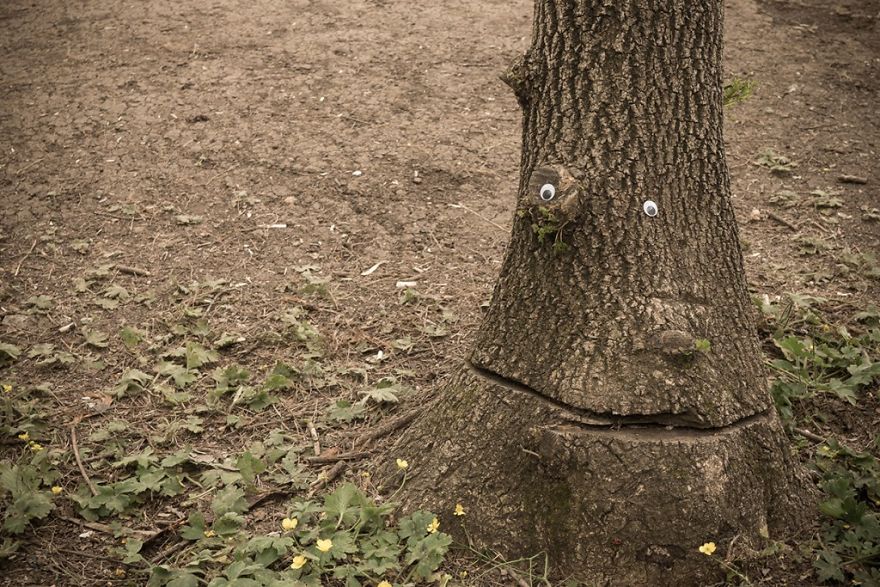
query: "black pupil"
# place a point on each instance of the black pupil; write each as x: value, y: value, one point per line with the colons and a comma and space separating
x: 547, y: 194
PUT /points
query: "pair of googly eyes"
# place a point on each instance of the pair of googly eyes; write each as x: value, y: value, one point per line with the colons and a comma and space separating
x: 548, y: 192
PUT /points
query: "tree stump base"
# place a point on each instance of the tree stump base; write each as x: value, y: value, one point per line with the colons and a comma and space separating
x: 609, y: 506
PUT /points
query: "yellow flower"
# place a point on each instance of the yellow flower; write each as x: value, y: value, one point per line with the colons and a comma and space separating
x: 7, y: 388
x: 289, y: 524
x: 56, y: 490
x: 459, y: 510
x: 708, y: 548
x: 299, y: 561
x: 433, y: 526
x: 324, y: 545
x: 36, y: 447
x: 209, y: 533
x: 384, y: 584
x: 24, y: 436
x: 402, y: 464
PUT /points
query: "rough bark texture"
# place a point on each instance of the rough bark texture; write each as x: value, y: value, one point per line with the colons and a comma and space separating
x: 586, y: 424
x: 610, y: 506
x: 627, y: 96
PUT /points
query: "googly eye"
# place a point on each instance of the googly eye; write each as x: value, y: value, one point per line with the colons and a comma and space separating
x: 650, y: 208
x: 548, y: 192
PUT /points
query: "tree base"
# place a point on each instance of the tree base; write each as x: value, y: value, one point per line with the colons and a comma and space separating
x: 621, y: 506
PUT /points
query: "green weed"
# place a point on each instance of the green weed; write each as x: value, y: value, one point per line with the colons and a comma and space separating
x: 819, y: 361
x: 738, y: 90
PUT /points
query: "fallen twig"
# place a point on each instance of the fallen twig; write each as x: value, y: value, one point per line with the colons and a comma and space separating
x: 782, y: 221
x: 348, y: 456
x: 222, y: 173
x: 173, y: 526
x: 98, y: 527
x: 314, y: 434
x: 169, y: 550
x: 91, y: 556
x: 385, y: 430
x: 132, y: 270
x: 328, y: 477
x: 852, y: 179
x: 79, y: 463
x: 28, y: 166
x: 28, y: 254
x: 516, y: 578
x: 809, y: 435
x: 261, y: 499
x: 478, y: 215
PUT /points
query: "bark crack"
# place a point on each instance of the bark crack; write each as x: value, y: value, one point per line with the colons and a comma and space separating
x: 679, y: 423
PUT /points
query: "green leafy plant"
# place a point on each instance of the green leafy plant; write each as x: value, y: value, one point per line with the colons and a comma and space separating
x: 22, y: 487
x: 547, y: 227
x: 348, y: 538
x: 818, y: 358
x: 25, y: 488
x: 818, y: 362
x: 9, y: 353
x: 738, y: 90
x: 849, y: 549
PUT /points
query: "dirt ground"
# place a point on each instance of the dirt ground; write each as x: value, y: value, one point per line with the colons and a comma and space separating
x: 229, y: 161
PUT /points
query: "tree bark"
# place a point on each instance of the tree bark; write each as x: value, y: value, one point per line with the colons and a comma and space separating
x: 627, y: 96
x: 614, y: 410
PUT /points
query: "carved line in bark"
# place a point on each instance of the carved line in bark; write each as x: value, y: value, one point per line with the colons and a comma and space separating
x: 670, y: 426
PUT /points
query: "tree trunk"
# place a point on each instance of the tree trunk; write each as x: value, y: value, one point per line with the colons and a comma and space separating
x: 614, y: 411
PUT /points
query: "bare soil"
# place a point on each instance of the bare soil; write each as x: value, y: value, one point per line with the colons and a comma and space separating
x: 277, y: 144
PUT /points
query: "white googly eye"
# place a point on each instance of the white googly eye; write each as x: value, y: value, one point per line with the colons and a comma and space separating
x: 650, y: 208
x: 548, y: 192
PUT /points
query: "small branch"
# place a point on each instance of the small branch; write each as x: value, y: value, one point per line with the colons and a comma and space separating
x: 261, y: 499
x: 809, y: 435
x: 349, y: 456
x: 168, y: 551
x: 852, y: 179
x: 530, y: 452
x: 330, y: 476
x: 98, y: 527
x: 79, y: 463
x: 164, y: 530
x: 132, y: 270
x: 325, y: 478
x: 782, y: 221
x: 23, y: 259
x: 314, y: 433
x: 115, y: 561
x: 207, y: 183
x: 387, y: 429
x: 478, y: 215
x: 28, y: 166
x: 520, y: 582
